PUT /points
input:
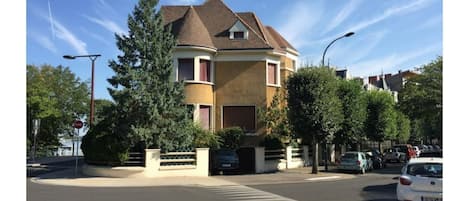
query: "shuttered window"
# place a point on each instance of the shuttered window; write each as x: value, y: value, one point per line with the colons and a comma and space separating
x: 204, y: 116
x: 242, y: 116
x: 272, y: 74
x: 205, y: 70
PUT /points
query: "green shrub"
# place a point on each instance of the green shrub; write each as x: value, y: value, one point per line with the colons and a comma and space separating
x: 231, y: 137
x: 101, y: 147
x: 272, y: 142
x: 205, y: 138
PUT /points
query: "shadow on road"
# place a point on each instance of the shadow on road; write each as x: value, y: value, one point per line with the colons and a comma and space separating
x: 55, y: 169
x: 377, y: 192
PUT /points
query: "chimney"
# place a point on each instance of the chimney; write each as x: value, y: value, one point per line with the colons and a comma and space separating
x: 387, y: 76
x: 373, y: 80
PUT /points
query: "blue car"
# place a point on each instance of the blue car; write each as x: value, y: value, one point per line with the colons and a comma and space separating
x: 353, y: 161
x: 222, y: 160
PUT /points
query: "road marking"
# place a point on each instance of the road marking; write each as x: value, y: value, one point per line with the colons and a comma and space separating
x: 322, y: 178
x: 244, y: 193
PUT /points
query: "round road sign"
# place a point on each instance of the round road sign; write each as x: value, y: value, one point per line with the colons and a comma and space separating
x: 77, y: 124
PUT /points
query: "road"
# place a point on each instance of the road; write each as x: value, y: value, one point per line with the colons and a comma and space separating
x: 375, y: 186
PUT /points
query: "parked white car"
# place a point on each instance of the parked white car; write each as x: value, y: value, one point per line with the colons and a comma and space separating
x: 421, y: 179
x: 394, y: 154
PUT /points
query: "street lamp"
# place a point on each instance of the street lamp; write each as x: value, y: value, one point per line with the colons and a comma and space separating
x: 92, y: 57
x: 324, y: 53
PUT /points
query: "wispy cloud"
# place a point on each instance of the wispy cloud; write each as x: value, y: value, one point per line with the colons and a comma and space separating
x: 413, y: 6
x: 44, y: 41
x: 390, y: 62
x: 434, y: 21
x: 301, y: 22
x: 107, y: 24
x: 50, y: 20
x: 66, y: 35
x: 342, y: 15
x: 100, y: 38
x: 60, y: 32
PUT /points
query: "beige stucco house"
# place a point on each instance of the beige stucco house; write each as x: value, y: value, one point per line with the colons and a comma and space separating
x: 230, y: 62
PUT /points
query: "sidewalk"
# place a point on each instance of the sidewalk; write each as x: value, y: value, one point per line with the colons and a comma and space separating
x: 298, y: 175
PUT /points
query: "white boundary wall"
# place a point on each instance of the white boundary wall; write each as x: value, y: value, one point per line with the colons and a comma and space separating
x: 153, y: 168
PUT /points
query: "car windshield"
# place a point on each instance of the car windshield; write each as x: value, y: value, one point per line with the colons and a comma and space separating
x: 350, y: 156
x: 426, y: 170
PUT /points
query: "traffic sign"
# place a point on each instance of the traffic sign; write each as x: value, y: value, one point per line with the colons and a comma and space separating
x: 77, y: 124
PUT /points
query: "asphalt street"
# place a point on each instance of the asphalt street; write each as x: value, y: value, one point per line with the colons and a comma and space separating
x: 378, y: 185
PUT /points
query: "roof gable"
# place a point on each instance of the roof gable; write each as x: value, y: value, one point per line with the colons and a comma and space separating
x: 215, y: 21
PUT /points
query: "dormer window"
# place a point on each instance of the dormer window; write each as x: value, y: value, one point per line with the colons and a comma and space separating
x: 238, y: 35
x: 239, y: 31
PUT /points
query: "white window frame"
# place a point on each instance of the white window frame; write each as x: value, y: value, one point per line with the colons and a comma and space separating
x: 239, y: 27
x: 197, y: 69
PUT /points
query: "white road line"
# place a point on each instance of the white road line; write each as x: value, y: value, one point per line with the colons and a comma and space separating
x: 322, y: 178
x: 244, y: 193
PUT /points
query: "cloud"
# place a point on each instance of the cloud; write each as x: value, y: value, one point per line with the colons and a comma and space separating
x: 413, y: 6
x: 50, y: 20
x: 299, y: 24
x: 434, y: 21
x: 60, y: 32
x: 108, y: 24
x: 390, y: 62
x: 342, y: 15
x: 44, y: 41
x: 67, y: 36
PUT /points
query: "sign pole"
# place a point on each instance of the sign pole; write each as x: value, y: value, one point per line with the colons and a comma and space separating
x: 76, y: 155
x: 76, y: 124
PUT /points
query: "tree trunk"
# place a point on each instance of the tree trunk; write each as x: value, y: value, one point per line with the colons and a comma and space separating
x: 314, y: 144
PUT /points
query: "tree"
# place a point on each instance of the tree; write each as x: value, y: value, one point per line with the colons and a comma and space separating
x: 403, y: 127
x: 421, y: 98
x: 381, y: 120
x: 354, y: 103
x: 149, y: 102
x: 314, y: 109
x: 57, y: 97
x: 102, y: 108
x: 275, y: 117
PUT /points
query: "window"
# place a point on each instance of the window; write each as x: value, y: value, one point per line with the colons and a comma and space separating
x: 205, y: 70
x: 186, y: 69
x: 242, y: 116
x: 204, y: 116
x: 238, y: 35
x: 272, y: 74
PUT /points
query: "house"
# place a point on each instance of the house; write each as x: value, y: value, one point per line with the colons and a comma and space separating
x: 388, y: 82
x: 230, y: 62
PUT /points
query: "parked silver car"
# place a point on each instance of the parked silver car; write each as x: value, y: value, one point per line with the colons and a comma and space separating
x: 394, y: 154
x: 353, y: 161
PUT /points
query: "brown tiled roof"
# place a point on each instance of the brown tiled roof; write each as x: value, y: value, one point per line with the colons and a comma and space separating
x: 280, y: 40
x: 192, y: 31
x: 208, y: 25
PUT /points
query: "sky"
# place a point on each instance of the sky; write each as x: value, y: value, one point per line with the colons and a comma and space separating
x: 390, y: 35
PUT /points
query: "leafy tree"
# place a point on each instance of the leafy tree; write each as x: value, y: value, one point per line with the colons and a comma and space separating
x: 354, y: 103
x: 275, y: 117
x: 57, y: 97
x: 102, y: 108
x: 381, y: 119
x: 403, y: 127
x: 205, y: 138
x: 149, y: 102
x: 230, y: 137
x: 421, y: 98
x: 314, y: 109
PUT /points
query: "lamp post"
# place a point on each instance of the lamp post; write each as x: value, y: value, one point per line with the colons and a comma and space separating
x: 92, y: 57
x: 325, y: 50
x: 326, y: 152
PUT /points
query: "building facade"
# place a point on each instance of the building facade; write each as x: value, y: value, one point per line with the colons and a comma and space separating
x: 230, y: 62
